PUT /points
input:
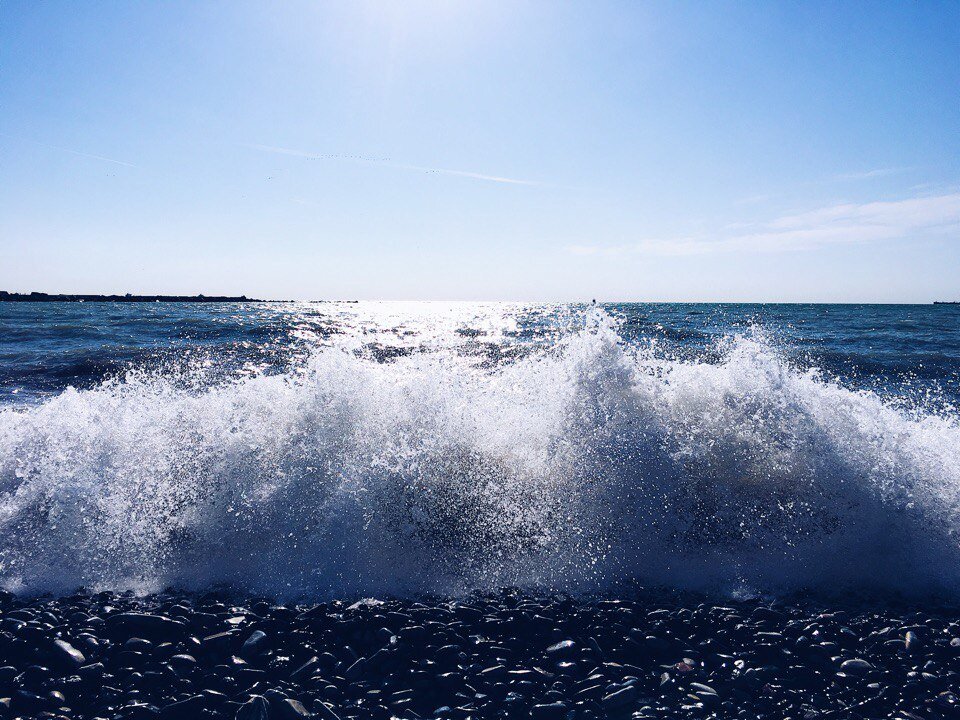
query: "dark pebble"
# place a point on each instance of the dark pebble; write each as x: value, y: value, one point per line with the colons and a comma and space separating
x: 66, y: 655
x: 510, y: 654
x: 256, y: 708
x: 549, y: 711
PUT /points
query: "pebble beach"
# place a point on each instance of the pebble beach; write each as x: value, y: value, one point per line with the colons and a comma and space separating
x: 510, y: 654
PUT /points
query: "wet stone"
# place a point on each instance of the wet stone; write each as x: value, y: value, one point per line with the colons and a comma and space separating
x: 66, y: 655
x: 183, y: 709
x: 562, y: 649
x: 290, y: 709
x: 144, y: 624
x: 549, y: 711
x: 512, y: 655
x: 136, y: 644
x: 256, y: 708
x: 621, y: 698
x: 856, y: 666
x: 254, y: 644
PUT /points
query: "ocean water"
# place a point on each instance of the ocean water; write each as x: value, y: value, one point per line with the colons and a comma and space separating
x: 324, y: 450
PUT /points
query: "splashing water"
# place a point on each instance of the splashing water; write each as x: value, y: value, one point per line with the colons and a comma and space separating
x: 586, y: 463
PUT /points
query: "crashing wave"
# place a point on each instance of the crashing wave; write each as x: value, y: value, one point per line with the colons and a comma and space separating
x: 577, y: 467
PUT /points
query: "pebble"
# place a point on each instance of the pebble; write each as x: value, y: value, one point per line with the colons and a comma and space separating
x: 145, y: 624
x: 253, y: 644
x: 620, y: 698
x: 67, y: 655
x: 856, y: 665
x: 549, y: 711
x: 510, y: 654
x: 291, y: 709
x: 562, y: 649
x: 256, y: 708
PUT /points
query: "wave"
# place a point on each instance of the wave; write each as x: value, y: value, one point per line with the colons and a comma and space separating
x: 582, y: 466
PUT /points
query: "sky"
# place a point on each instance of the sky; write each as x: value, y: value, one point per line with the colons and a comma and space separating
x: 650, y: 151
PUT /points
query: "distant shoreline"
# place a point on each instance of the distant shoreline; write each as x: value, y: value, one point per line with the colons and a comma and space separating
x: 35, y: 297
x: 46, y: 297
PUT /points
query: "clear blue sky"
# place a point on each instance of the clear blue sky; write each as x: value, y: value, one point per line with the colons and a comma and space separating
x: 482, y: 150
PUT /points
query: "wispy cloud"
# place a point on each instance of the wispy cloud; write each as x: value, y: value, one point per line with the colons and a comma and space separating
x: 869, y: 174
x: 313, y: 156
x: 72, y: 152
x: 837, y: 224
x: 753, y: 199
x: 467, y: 174
x: 388, y: 163
x: 838, y: 178
x: 304, y: 201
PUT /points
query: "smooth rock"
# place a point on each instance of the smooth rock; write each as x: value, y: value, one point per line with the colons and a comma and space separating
x: 620, y: 698
x: 185, y: 709
x: 256, y: 708
x: 144, y: 624
x: 325, y: 711
x: 254, y: 644
x: 66, y: 655
x: 856, y: 666
x: 290, y: 709
x: 366, y: 603
x: 549, y: 711
x: 562, y: 649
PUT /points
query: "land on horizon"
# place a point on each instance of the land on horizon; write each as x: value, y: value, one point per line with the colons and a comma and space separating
x: 35, y: 296
x: 127, y: 297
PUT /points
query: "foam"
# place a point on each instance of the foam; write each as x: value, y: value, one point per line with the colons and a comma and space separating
x: 578, y: 467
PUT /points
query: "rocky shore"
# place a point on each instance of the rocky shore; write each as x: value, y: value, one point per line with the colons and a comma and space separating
x: 511, y: 655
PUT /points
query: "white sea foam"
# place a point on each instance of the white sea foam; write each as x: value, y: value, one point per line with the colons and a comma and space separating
x: 578, y: 467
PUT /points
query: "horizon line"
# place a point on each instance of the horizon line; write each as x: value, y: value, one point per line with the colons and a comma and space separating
x: 4, y: 294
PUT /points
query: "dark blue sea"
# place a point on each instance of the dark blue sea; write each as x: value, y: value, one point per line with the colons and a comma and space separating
x: 318, y: 449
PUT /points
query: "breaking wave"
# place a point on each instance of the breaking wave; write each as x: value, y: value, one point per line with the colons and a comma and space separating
x: 578, y: 467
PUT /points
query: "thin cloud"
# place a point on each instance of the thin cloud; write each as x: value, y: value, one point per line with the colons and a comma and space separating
x: 314, y: 156
x: 753, y: 199
x: 465, y: 173
x: 869, y: 174
x: 387, y: 162
x: 848, y: 223
x: 73, y: 152
x: 839, y: 178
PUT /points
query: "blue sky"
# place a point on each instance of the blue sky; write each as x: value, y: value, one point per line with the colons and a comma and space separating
x: 792, y: 151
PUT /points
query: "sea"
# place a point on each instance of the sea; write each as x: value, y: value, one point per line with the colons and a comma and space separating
x: 334, y: 449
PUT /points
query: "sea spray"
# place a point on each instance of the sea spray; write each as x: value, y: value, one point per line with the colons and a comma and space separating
x: 580, y: 465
